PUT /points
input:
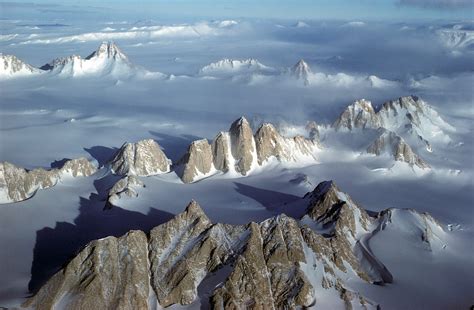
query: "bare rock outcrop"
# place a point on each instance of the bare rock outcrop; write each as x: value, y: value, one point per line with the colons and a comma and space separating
x: 125, y: 186
x: 109, y: 273
x: 17, y: 184
x: 390, y: 143
x: 79, y: 167
x: 221, y: 151
x: 270, y: 143
x: 243, y: 148
x: 197, y: 162
x: 143, y: 158
x: 239, y: 151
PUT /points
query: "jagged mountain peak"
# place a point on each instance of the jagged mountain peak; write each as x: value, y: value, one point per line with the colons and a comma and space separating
x: 194, y: 208
x: 107, y: 59
x: 330, y: 208
x: 108, y: 50
x: 301, y: 71
x: 241, y: 121
x: 359, y: 114
x: 239, y: 151
x: 10, y: 65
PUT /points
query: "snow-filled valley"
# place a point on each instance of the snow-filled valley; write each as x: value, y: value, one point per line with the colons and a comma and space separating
x: 246, y: 117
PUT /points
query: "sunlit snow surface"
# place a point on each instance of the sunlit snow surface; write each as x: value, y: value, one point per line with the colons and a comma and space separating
x: 47, y: 117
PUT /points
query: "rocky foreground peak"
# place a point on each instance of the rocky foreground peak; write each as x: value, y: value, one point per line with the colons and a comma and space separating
x: 279, y: 263
x: 143, y: 158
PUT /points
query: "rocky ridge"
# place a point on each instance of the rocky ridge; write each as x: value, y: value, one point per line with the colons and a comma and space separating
x: 10, y: 66
x: 17, y: 184
x: 278, y: 263
x: 239, y: 151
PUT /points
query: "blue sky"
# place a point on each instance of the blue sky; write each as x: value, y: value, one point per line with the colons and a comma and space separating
x: 304, y: 9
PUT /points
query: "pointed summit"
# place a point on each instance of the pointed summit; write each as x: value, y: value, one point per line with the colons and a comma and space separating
x: 301, y: 71
x: 242, y: 145
x: 108, y: 59
x: 108, y: 50
x: 359, y: 114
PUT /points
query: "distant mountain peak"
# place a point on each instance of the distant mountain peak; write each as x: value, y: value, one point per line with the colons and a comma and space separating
x: 301, y: 71
x: 10, y: 65
x: 108, y: 50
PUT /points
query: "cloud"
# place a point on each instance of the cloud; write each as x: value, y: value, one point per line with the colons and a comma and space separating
x: 438, y: 4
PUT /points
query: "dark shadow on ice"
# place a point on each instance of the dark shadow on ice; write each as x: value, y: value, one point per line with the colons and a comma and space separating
x: 101, y: 153
x: 174, y: 146
x: 56, y: 246
x: 271, y: 200
x: 59, y: 163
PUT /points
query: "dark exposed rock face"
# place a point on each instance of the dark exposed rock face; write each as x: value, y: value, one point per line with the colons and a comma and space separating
x: 143, y: 158
x: 276, y: 264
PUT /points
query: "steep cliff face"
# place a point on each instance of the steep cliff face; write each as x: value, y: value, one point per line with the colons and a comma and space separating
x: 143, y: 158
x: 197, y: 163
x: 243, y: 148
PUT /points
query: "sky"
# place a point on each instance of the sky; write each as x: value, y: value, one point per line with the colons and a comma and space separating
x: 302, y: 9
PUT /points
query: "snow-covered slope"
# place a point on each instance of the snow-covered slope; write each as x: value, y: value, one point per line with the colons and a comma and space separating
x: 11, y: 66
